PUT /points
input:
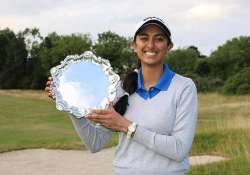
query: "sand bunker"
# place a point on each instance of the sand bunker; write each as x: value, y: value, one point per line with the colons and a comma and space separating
x: 65, y: 162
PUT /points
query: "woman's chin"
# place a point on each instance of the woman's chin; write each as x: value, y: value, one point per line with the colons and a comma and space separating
x: 151, y: 60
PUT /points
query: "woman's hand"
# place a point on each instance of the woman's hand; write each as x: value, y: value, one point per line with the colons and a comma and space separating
x: 110, y: 119
x: 48, y: 87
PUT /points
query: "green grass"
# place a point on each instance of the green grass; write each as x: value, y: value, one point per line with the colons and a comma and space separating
x: 28, y: 122
x: 28, y: 119
x: 223, y: 129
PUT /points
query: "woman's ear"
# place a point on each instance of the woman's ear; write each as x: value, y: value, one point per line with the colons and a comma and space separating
x: 170, y: 46
x: 133, y: 46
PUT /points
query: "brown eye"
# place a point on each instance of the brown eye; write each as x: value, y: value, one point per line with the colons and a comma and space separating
x: 160, y: 39
x: 143, y: 38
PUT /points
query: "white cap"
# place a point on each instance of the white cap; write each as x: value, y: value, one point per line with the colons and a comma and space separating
x: 155, y: 21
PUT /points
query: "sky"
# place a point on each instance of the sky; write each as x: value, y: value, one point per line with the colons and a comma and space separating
x: 205, y: 24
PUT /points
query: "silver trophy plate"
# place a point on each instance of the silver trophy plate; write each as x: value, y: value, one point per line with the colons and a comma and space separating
x: 83, y: 82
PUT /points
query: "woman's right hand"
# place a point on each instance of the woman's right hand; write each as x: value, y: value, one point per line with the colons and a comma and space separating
x: 48, y: 87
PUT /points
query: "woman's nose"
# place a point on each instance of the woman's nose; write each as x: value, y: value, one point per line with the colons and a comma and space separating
x: 150, y: 43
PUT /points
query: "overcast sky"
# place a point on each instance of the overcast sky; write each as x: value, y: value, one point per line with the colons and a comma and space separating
x: 203, y: 23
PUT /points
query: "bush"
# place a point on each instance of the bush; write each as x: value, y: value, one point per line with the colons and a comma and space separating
x: 206, y: 84
x: 230, y: 58
x: 239, y: 83
x: 202, y: 67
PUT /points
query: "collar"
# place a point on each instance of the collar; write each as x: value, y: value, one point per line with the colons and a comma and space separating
x: 162, y: 84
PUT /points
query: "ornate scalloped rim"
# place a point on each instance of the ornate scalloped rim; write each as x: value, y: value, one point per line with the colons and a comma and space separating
x: 89, y: 57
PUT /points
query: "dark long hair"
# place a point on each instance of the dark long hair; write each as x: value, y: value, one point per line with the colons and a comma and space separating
x: 129, y: 85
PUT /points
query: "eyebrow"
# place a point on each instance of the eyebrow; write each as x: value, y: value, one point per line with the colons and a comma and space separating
x: 145, y: 34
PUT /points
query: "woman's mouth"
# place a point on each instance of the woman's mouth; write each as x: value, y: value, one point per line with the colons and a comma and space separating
x: 150, y: 53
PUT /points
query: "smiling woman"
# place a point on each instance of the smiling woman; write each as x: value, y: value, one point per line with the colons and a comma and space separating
x: 155, y: 114
x: 151, y: 45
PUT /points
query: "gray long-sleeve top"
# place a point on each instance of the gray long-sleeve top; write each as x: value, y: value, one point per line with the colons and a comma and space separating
x: 165, y: 132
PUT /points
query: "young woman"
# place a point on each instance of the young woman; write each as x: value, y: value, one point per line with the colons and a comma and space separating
x: 155, y: 115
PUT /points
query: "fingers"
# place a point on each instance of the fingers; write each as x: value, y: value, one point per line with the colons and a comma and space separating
x: 98, y: 114
x: 97, y: 118
x: 49, y: 93
x: 48, y: 87
x: 107, y: 118
x: 110, y: 105
x: 50, y: 78
x: 100, y: 111
x: 49, y: 83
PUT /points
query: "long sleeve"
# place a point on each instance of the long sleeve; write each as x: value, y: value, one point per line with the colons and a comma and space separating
x: 95, y: 137
x: 177, y: 144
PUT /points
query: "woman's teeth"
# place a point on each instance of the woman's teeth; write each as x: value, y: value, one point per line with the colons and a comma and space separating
x: 150, y: 53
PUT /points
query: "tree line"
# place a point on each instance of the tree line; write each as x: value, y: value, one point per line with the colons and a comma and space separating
x: 26, y: 58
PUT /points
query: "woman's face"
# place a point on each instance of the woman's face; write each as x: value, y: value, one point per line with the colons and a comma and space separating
x: 151, y: 45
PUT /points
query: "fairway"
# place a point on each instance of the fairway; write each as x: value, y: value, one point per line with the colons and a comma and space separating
x: 28, y: 119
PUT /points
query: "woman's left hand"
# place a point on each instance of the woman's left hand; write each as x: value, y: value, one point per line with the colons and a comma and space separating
x: 110, y: 119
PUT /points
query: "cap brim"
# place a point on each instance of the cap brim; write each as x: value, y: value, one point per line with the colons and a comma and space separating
x: 159, y: 24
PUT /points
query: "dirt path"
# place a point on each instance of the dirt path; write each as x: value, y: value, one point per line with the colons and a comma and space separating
x: 61, y: 162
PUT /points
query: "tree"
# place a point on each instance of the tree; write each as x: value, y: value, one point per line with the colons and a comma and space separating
x: 117, y: 50
x: 32, y: 68
x: 183, y: 61
x: 239, y: 83
x: 12, y: 59
x: 32, y: 39
x: 202, y: 67
x: 230, y: 58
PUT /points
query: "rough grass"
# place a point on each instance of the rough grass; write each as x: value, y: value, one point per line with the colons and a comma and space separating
x: 223, y: 129
x: 28, y: 119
